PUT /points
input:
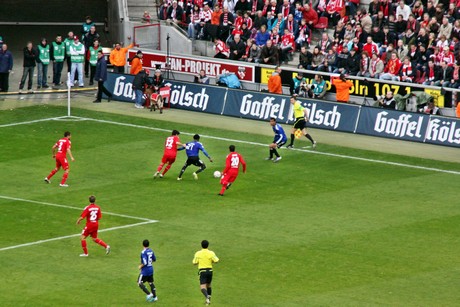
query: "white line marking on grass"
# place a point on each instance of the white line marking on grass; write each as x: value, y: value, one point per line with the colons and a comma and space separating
x: 74, y: 208
x: 296, y: 149
x: 32, y: 121
x: 74, y: 235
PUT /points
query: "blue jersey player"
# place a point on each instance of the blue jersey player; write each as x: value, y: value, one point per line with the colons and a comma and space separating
x: 146, y: 274
x: 279, y: 140
x: 192, y: 149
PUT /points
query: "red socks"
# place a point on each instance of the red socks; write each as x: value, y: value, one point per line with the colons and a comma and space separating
x: 64, y: 178
x: 160, y: 167
x: 101, y: 243
x: 223, y: 189
x: 54, y: 171
x: 83, y: 245
x: 167, y: 168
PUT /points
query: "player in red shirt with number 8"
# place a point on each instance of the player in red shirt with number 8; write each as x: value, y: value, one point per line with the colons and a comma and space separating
x: 92, y: 213
x: 232, y: 167
x: 60, y: 150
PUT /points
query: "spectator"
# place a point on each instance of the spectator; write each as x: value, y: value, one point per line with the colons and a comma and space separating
x: 448, y: 56
x: 432, y: 73
x: 274, y: 82
x: 175, y: 12
x: 67, y: 42
x: 329, y: 61
x: 206, y: 28
x: 87, y: 25
x: 136, y: 63
x: 245, y: 32
x: 254, y: 53
x: 408, y: 38
x: 430, y: 108
x: 364, y: 65
x: 444, y: 75
x: 401, y: 50
x: 353, y: 62
x: 403, y: 10
x: 201, y: 78
x: 418, y: 10
x: 318, y: 88
x: 88, y: 41
x: 139, y: 82
x: 422, y: 59
x: 317, y: 59
x: 304, y: 34
x: 387, y: 101
x: 310, y: 16
x: 413, y: 54
x: 77, y: 57
x: 93, y: 57
x: 455, y: 81
x: 276, y: 23
x: 286, y: 9
x: 30, y: 54
x: 57, y: 55
x: 375, y: 67
x: 222, y: 51
x: 43, y: 60
x: 259, y: 20
x: 118, y: 57
x: 305, y: 58
x: 422, y: 38
x: 365, y: 20
x: 342, y: 59
x: 370, y: 47
x: 157, y: 82
x: 400, y: 26
x: 163, y: 11
x: 242, y: 6
x: 101, y: 76
x: 146, y: 18
x: 295, y: 83
x: 407, y: 71
x: 225, y: 24
x: 291, y: 25
x: 374, y: 8
x: 287, y: 46
x: 380, y: 21
x: 342, y: 88
x: 237, y: 48
x: 333, y: 9
x: 413, y: 24
x: 262, y: 36
x: 325, y: 43
x: 391, y: 71
x: 6, y: 66
x: 269, y: 54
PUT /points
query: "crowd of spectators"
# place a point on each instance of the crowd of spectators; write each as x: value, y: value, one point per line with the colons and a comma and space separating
x: 415, y: 42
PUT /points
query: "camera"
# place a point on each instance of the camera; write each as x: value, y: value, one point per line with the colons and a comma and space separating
x: 380, y: 97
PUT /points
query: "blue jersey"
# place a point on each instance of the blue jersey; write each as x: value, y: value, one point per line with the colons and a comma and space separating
x: 192, y: 149
x: 280, y: 136
x: 147, y: 258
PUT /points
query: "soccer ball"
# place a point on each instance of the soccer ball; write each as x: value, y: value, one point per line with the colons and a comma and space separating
x: 298, y: 133
x: 217, y: 174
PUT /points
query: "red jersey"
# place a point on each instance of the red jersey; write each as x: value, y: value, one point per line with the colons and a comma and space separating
x: 62, y: 146
x: 233, y: 161
x: 93, y: 214
x: 171, y: 145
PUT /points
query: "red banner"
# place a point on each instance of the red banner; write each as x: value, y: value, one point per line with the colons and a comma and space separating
x: 192, y: 66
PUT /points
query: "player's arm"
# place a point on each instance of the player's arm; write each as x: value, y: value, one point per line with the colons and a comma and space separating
x: 205, y: 153
x: 53, y: 150
x: 70, y: 154
x: 143, y: 262
x: 227, y: 165
x: 214, y: 258
x: 243, y: 163
x: 79, y: 219
x: 196, y: 260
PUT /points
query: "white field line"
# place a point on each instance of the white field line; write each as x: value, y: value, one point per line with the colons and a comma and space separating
x: 297, y: 149
x: 74, y: 235
x: 73, y: 208
x: 33, y: 121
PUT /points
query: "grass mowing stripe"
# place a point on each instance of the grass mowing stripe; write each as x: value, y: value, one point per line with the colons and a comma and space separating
x: 75, y: 235
x: 74, y: 208
x: 302, y: 150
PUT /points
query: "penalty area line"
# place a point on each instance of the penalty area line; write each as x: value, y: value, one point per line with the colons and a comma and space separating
x: 295, y: 149
x: 74, y: 235
x: 73, y: 208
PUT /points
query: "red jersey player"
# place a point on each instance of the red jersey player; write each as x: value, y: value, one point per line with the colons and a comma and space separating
x: 92, y: 213
x: 60, y: 150
x: 232, y: 167
x: 170, y: 153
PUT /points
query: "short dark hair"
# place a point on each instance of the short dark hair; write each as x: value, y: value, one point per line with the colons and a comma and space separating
x: 204, y: 244
x: 272, y: 118
x: 175, y: 132
x: 196, y: 137
x: 66, y: 134
x: 232, y: 148
x: 100, y: 51
x: 146, y: 243
x: 92, y: 199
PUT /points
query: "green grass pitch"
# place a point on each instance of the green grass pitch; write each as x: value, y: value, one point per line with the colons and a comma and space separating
x: 311, y: 230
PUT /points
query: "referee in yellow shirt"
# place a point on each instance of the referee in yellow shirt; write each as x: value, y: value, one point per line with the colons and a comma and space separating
x: 301, y: 118
x: 204, y: 259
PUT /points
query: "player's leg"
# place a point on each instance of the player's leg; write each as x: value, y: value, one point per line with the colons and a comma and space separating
x: 292, y: 137
x: 209, y: 289
x: 83, y: 243
x: 308, y: 136
x: 152, y: 287
x: 140, y: 283
x: 100, y: 242
x: 201, y: 166
x: 164, y: 160
x: 54, y: 171
x: 186, y: 164
x: 168, y: 166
